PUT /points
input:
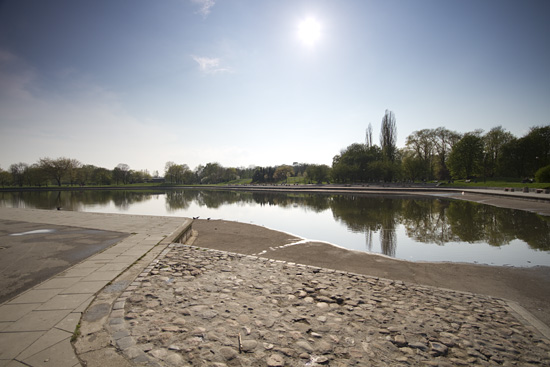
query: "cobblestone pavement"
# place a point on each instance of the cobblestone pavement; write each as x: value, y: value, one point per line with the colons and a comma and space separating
x: 198, y: 307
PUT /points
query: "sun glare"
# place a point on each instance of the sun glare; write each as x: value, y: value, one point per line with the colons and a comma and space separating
x: 309, y: 31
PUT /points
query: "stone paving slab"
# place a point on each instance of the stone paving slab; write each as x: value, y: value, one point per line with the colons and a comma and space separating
x: 33, y: 252
x: 36, y: 326
x: 202, y: 307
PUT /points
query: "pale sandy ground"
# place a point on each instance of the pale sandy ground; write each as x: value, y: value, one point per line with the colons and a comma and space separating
x: 529, y: 287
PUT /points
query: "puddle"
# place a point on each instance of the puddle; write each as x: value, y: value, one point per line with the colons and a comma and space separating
x: 37, y: 231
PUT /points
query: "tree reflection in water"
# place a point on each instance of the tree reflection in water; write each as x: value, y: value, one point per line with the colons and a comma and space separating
x: 425, y: 219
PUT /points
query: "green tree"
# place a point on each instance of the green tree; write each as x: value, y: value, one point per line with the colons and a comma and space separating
x: 358, y: 163
x: 35, y: 176
x: 18, y: 172
x: 422, y: 144
x: 283, y: 173
x: 413, y: 166
x: 121, y: 173
x: 524, y: 156
x: 175, y: 173
x: 538, y: 149
x: 445, y: 140
x: 368, y: 136
x: 212, y: 173
x: 230, y: 174
x: 465, y: 160
x: 102, y: 176
x: 84, y: 174
x: 543, y: 174
x: 5, y: 178
x: 58, y: 169
x: 318, y: 173
x: 263, y: 174
x: 493, y: 142
x: 388, y: 136
x: 511, y: 159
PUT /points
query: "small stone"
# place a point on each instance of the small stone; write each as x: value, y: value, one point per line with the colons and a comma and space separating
x: 305, y: 346
x: 174, y: 359
x: 209, y: 314
x: 179, y: 321
x: 322, y: 360
x: 148, y: 312
x: 287, y: 351
x: 198, y: 331
x: 249, y: 345
x: 133, y: 352
x: 275, y: 360
x: 324, y: 347
x: 439, y: 349
x: 244, y: 319
x: 158, y: 353
x: 228, y: 353
x: 325, y: 299
x: 146, y: 347
x: 418, y: 345
x: 400, y: 341
x: 171, y: 328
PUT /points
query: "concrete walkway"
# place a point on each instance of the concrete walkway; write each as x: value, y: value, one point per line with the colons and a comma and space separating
x: 36, y: 327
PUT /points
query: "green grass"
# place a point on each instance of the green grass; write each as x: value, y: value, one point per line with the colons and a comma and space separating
x: 76, y: 333
x: 242, y: 181
x: 498, y: 184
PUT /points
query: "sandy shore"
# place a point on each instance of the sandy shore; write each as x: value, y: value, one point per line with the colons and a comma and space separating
x: 529, y: 287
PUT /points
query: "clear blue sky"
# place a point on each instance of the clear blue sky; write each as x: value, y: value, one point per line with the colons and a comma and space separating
x: 232, y: 81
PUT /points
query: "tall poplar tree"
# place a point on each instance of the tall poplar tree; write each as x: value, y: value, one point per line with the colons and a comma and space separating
x: 388, y: 136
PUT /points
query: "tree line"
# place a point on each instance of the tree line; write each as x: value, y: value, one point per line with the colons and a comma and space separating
x: 429, y: 154
x: 68, y: 171
x: 443, y: 154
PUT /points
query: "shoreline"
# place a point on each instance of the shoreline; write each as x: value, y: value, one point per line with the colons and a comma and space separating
x: 526, y: 286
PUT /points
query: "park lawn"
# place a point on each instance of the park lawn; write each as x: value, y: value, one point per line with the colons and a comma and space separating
x: 497, y: 184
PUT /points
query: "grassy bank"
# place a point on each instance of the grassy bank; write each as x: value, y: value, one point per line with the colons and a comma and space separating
x: 497, y: 184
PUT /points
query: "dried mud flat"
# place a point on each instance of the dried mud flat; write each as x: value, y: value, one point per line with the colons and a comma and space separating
x: 202, y: 307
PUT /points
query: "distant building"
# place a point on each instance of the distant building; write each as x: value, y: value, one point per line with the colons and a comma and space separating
x: 157, y: 180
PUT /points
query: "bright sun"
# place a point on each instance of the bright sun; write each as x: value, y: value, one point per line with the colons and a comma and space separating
x: 309, y: 31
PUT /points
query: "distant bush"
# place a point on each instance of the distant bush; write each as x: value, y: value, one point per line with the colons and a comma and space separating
x: 543, y: 174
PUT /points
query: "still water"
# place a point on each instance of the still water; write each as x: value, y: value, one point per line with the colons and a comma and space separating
x: 414, y: 228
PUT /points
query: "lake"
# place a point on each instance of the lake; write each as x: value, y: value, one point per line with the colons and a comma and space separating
x: 407, y: 227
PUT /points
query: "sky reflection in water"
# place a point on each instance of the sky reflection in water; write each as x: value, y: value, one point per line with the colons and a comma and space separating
x: 408, y: 228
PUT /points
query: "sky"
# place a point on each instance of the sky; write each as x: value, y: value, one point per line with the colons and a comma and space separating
x: 264, y: 83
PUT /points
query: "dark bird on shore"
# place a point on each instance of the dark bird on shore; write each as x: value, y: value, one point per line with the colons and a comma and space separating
x: 58, y: 208
x: 195, y: 218
x: 207, y: 218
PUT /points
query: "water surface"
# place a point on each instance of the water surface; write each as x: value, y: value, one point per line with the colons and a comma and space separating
x: 414, y: 228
